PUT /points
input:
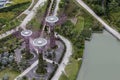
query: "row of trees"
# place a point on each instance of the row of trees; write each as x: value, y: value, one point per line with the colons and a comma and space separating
x: 109, y: 9
x: 104, y: 7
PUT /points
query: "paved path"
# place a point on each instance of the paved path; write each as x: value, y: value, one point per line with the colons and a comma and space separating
x: 48, y: 13
x: 31, y: 4
x: 24, y: 12
x: 27, y: 70
x: 14, y: 30
x: 26, y: 20
x: 63, y: 63
x: 7, y: 33
x: 65, y: 60
x: 106, y: 26
x: 32, y: 13
x: 68, y: 52
x: 57, y: 7
x: 18, y: 55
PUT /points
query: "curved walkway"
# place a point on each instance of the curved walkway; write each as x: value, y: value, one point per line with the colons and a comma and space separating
x: 106, y: 26
x: 65, y: 60
x: 24, y: 10
x: 27, y: 9
x: 26, y: 20
x: 56, y: 7
x: 68, y: 52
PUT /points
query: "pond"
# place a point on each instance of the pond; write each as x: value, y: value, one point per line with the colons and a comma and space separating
x: 101, y: 59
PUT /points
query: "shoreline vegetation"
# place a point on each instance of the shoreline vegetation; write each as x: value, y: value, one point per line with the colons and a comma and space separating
x: 108, y: 10
x: 78, y: 27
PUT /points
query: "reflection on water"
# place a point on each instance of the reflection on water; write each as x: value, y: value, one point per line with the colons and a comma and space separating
x: 101, y: 58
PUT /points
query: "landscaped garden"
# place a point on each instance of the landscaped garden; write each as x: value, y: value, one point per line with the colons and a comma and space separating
x: 78, y: 28
x: 8, y: 14
x: 9, y: 66
x: 10, y: 44
x: 36, y: 23
x: 8, y: 74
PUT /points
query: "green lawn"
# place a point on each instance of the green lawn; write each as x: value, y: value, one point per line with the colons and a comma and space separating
x: 71, y: 70
x: 80, y: 24
x: 17, y: 2
x: 63, y: 77
x: 11, y: 74
x: 20, y: 1
x: 35, y: 23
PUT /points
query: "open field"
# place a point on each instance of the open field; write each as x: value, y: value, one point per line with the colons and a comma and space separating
x: 71, y: 70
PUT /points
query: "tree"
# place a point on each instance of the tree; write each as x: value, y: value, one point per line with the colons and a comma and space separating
x: 41, y: 68
x: 113, y: 6
x: 23, y: 64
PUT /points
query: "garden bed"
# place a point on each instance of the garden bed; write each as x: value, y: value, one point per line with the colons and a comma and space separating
x: 11, y: 74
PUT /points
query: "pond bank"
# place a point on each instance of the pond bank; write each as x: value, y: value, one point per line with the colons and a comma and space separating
x: 101, y: 58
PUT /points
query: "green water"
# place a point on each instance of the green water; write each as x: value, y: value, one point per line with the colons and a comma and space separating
x: 101, y: 58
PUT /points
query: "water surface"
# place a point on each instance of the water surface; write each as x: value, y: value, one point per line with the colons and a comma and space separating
x: 101, y: 58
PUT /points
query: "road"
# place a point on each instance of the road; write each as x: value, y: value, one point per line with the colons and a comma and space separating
x: 106, y: 26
